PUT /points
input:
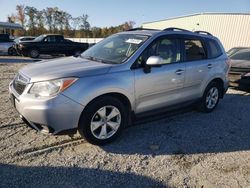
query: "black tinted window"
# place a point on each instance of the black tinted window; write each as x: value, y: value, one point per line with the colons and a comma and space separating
x: 194, y: 50
x: 59, y: 38
x: 214, y: 49
x: 241, y: 55
x: 50, y: 39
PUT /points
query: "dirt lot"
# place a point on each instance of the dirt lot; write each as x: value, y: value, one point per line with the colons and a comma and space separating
x: 188, y: 149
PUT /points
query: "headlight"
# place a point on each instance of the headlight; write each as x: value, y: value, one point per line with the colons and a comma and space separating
x: 20, y: 46
x: 51, y: 87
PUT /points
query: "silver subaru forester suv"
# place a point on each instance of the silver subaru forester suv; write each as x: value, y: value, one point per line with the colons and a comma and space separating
x: 127, y: 74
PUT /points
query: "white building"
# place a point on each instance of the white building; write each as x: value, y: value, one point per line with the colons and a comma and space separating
x: 233, y: 29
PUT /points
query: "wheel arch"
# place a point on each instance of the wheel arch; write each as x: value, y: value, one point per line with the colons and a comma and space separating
x: 121, y: 97
x: 116, y: 95
x: 220, y: 82
x: 33, y: 48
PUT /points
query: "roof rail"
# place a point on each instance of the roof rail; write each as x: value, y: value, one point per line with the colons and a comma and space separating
x: 203, y: 32
x: 175, y: 29
x: 140, y: 28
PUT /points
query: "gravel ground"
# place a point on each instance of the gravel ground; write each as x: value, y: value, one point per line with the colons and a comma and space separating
x: 188, y: 149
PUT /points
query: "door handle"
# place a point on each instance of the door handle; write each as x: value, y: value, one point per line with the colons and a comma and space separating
x: 179, y: 71
x: 209, y: 66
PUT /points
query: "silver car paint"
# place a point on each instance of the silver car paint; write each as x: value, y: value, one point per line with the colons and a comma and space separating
x: 4, y: 46
x: 164, y: 86
x: 69, y: 66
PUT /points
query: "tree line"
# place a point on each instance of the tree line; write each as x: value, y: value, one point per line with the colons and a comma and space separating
x: 55, y: 21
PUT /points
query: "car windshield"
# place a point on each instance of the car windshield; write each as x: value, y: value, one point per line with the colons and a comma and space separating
x: 241, y: 55
x: 115, y: 49
x: 17, y: 40
x: 39, y: 38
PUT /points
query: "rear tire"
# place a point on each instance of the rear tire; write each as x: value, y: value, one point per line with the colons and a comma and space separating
x: 12, y: 51
x: 210, y: 98
x: 103, y: 120
x: 34, y: 53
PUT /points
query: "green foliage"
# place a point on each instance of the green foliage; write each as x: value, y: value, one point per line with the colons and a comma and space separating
x: 56, y: 21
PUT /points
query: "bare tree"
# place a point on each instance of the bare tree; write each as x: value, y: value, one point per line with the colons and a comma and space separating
x: 11, y: 18
x: 128, y: 25
x: 49, y: 12
x: 31, y: 12
x: 84, y: 24
x: 20, y: 14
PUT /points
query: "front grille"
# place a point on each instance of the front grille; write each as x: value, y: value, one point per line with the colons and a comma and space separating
x: 20, y: 83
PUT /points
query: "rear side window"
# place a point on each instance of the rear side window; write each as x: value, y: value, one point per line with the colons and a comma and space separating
x: 194, y: 50
x: 59, y: 38
x: 214, y: 49
x: 50, y: 39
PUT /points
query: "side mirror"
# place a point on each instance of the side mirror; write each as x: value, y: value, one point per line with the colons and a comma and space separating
x: 154, y: 61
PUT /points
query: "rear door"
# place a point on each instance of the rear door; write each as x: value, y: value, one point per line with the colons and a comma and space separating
x: 197, y: 66
x: 60, y: 46
x: 163, y: 85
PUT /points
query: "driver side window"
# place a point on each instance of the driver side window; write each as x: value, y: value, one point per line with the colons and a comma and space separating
x: 167, y: 48
x: 50, y: 39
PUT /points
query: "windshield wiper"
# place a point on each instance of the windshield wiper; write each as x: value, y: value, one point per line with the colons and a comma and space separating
x: 98, y: 60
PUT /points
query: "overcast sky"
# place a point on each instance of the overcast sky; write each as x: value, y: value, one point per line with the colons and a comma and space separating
x: 114, y: 12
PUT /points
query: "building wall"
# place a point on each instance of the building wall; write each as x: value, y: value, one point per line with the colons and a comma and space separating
x: 232, y: 29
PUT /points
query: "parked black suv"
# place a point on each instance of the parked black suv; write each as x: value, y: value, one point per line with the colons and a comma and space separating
x: 50, y: 44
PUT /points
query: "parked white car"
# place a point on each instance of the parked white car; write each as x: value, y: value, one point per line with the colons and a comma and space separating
x: 6, y: 44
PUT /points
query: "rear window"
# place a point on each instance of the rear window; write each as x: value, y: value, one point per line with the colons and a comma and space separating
x: 194, y: 50
x: 214, y: 49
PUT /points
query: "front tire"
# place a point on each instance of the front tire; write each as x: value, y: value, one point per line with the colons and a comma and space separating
x: 210, y: 98
x: 103, y: 120
x: 34, y: 53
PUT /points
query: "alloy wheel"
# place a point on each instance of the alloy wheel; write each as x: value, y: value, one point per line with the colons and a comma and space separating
x: 105, y: 122
x: 212, y: 97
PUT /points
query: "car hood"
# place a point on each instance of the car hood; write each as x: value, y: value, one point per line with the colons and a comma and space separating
x: 64, y: 67
x: 240, y: 64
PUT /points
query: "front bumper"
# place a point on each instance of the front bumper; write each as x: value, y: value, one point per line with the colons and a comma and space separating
x: 21, y: 51
x: 51, y: 116
x: 237, y: 79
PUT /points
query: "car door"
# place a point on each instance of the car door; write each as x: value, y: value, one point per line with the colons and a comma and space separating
x: 162, y: 86
x: 61, y: 46
x: 49, y: 45
x: 197, y: 67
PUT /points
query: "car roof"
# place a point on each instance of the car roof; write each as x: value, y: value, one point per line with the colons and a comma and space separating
x: 151, y: 32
